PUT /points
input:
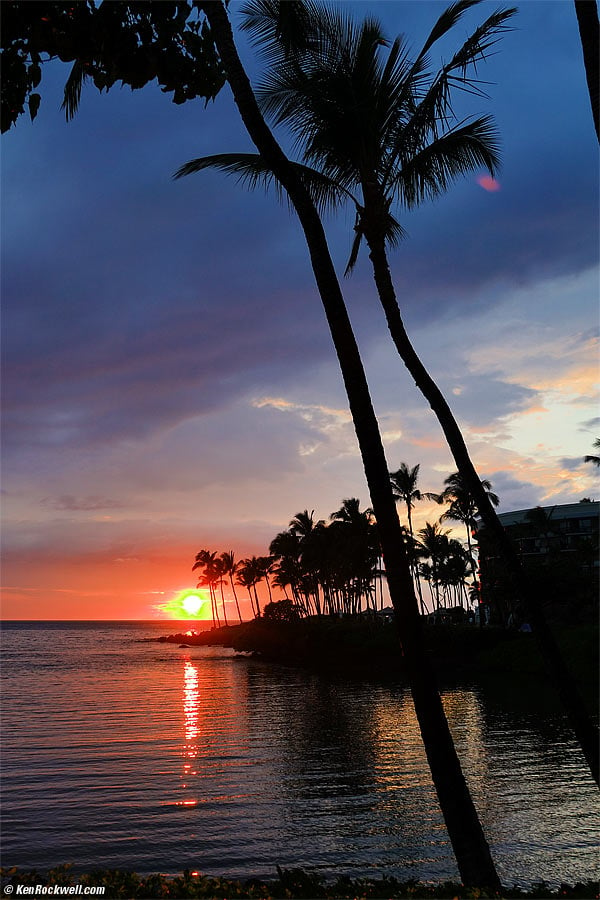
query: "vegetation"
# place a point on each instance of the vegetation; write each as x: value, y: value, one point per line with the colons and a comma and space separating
x: 289, y: 883
x: 593, y: 458
x: 335, y: 568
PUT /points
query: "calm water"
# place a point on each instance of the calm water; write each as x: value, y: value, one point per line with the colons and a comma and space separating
x: 154, y: 758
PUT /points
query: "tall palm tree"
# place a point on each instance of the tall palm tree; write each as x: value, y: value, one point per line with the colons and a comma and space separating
x: 468, y: 841
x: 433, y: 545
x: 229, y: 568
x: 404, y: 485
x: 383, y: 130
x: 207, y: 560
x: 359, y: 551
x: 250, y: 572
x: 463, y: 507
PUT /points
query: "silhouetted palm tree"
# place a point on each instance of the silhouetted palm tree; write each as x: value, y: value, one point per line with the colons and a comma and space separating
x: 229, y: 568
x: 250, y: 573
x: 463, y: 507
x: 404, y: 485
x: 207, y: 560
x: 470, y: 847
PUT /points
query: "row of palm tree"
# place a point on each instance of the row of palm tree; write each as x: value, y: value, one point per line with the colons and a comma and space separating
x: 215, y: 568
x: 335, y: 568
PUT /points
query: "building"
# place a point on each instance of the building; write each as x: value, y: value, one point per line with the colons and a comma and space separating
x: 557, y: 544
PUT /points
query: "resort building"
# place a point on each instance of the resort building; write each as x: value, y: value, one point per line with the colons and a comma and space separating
x: 559, y: 543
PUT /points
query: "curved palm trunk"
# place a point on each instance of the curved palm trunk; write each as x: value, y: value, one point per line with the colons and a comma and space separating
x: 470, y: 847
x: 237, y: 605
x: 223, y: 602
x: 589, y: 33
x: 414, y: 568
x: 585, y: 731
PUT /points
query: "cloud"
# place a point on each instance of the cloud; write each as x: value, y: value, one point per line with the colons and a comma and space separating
x: 86, y: 504
x: 591, y: 424
x: 571, y: 462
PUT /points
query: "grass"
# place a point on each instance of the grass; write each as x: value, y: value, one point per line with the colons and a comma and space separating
x: 289, y: 884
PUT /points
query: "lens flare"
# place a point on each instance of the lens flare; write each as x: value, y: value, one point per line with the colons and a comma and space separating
x: 488, y: 183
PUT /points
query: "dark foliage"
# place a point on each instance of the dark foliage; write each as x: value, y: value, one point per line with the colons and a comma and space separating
x: 292, y: 883
x: 129, y: 43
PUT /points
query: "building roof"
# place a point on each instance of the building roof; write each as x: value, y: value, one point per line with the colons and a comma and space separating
x: 581, y: 510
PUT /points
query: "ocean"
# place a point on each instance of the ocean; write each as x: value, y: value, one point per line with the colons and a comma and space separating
x: 123, y: 753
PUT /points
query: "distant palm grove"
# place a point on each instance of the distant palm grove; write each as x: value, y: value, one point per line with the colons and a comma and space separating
x: 335, y: 567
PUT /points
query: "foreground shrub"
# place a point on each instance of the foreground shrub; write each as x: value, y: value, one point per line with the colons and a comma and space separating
x: 288, y: 885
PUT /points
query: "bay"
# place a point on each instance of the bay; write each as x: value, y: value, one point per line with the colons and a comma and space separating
x: 149, y: 757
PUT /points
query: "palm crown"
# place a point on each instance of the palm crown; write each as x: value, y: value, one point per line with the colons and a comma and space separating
x: 377, y: 124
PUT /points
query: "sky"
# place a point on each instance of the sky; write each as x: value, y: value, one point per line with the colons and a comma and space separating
x: 169, y: 380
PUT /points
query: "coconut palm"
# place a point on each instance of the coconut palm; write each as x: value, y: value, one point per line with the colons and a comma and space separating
x: 207, y: 560
x: 250, y: 572
x: 432, y: 545
x: 463, y: 507
x: 404, y: 485
x: 355, y: 535
x: 470, y: 847
x: 229, y: 568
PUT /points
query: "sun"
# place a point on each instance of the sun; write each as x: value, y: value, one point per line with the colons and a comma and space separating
x: 188, y: 604
x: 192, y: 604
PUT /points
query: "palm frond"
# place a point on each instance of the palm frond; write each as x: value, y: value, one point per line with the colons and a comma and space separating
x: 430, y: 170
x: 251, y: 170
x: 73, y: 87
x: 358, y: 236
x: 479, y: 43
x: 279, y: 30
x: 446, y: 21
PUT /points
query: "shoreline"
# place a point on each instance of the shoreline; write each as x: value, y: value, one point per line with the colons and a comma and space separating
x: 365, y: 648
x: 291, y: 884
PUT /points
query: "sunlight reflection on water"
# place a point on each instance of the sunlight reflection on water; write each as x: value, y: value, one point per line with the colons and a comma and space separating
x: 156, y: 758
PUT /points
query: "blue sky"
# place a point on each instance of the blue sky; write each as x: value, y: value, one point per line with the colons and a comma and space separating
x: 169, y: 380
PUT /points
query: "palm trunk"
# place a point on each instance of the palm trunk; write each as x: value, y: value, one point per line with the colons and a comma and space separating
x: 589, y: 33
x: 256, y: 599
x: 237, y: 605
x: 585, y: 731
x: 471, y: 849
x: 414, y: 568
x: 223, y: 602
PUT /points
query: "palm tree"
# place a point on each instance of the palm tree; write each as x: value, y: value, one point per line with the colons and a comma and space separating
x: 594, y: 459
x: 470, y: 847
x: 246, y: 578
x: 404, y: 485
x: 250, y: 572
x: 378, y: 131
x: 433, y: 546
x: 358, y: 551
x: 229, y: 568
x: 207, y: 560
x: 463, y: 507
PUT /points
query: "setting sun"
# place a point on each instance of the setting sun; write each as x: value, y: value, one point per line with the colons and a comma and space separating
x: 189, y: 604
x: 192, y: 603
